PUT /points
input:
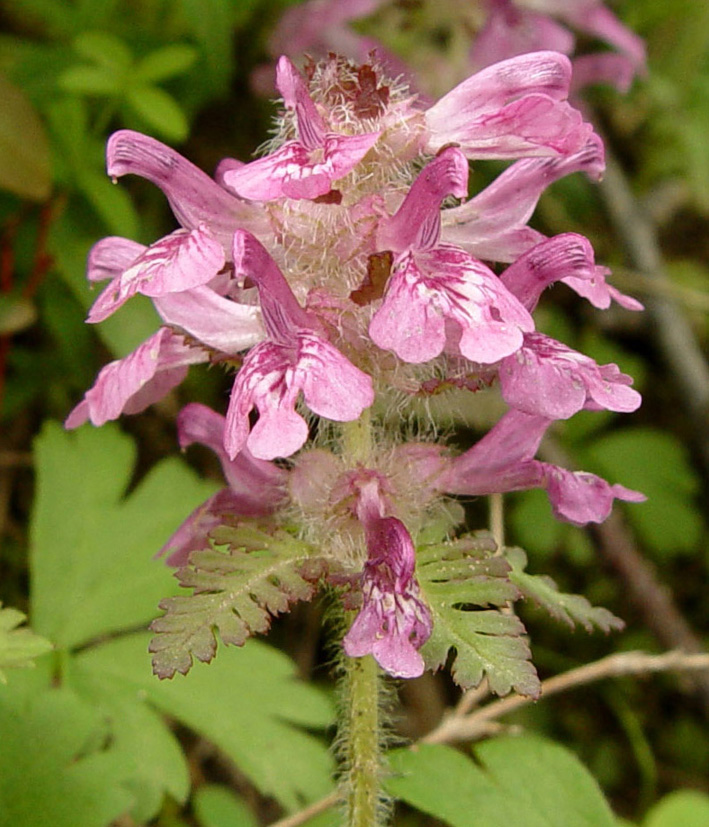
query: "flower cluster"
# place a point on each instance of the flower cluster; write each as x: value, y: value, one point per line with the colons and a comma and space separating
x: 344, y: 272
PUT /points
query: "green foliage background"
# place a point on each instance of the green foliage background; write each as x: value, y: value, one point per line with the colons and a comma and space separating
x: 88, y: 737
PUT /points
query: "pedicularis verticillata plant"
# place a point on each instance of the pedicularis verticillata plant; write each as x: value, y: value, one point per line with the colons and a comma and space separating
x: 341, y: 276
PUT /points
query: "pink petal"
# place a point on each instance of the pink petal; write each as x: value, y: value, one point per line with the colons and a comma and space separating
x: 417, y: 223
x: 580, y: 498
x: 332, y: 386
x: 292, y: 172
x: 293, y: 89
x: 213, y: 320
x: 605, y: 68
x: 496, y: 217
x: 131, y: 384
x: 447, y: 284
x: 178, y: 262
x: 110, y: 256
x: 512, y: 109
x: 194, y: 197
x: 564, y: 256
x: 599, y: 292
x: 548, y: 379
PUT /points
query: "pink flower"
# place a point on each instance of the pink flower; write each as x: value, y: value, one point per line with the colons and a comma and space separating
x: 546, y: 378
x: 503, y: 460
x: 438, y: 296
x: 393, y: 622
x: 130, y: 385
x: 307, y: 167
x: 178, y: 262
x: 513, y: 109
x: 296, y: 358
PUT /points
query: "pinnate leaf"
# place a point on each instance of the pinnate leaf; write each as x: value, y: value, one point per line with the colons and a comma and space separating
x: 458, y: 580
x: 236, y: 592
x: 18, y: 647
x: 572, y: 609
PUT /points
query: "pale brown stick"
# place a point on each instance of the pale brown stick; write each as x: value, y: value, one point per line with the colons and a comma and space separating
x: 467, y: 727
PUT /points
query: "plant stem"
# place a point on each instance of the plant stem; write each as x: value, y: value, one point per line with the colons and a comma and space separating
x: 360, y: 724
x: 360, y: 733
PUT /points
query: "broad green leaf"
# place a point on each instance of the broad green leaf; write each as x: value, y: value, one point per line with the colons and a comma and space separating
x: 104, y: 49
x: 16, y: 313
x: 457, y: 581
x: 217, y: 806
x: 159, y: 110
x: 18, y: 647
x: 523, y: 781
x: 685, y: 808
x: 669, y: 522
x: 54, y: 769
x: 158, y: 764
x: 93, y: 547
x: 165, y: 63
x: 25, y: 168
x: 570, y: 608
x: 248, y: 702
x: 91, y: 80
x: 236, y: 592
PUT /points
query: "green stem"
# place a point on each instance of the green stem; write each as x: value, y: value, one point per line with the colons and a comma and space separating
x: 360, y: 724
x: 360, y: 734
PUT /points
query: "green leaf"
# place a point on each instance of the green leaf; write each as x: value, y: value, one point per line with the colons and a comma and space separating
x: 104, y: 49
x: 18, y: 647
x: 217, y: 806
x: 236, y: 592
x: 112, y: 204
x: 54, y: 769
x: 159, y: 110
x: 16, y: 314
x: 522, y: 781
x: 570, y: 608
x: 156, y: 760
x: 456, y: 579
x: 165, y: 63
x: 669, y: 522
x: 686, y: 808
x: 93, y: 547
x: 25, y: 168
x: 91, y: 80
x: 249, y: 703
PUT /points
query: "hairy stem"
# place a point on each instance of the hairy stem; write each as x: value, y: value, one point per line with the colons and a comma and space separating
x: 360, y: 741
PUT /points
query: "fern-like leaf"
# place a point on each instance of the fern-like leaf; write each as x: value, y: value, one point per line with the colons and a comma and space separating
x: 18, y: 646
x: 467, y: 589
x: 250, y: 576
x: 572, y: 609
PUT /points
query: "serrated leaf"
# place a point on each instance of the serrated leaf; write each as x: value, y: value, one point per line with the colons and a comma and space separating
x: 18, y: 647
x: 522, y: 781
x: 54, y: 769
x: 236, y: 592
x: 455, y: 580
x: 569, y: 608
x: 25, y: 168
x: 91, y: 546
x: 159, y: 110
x: 249, y: 703
x: 165, y: 63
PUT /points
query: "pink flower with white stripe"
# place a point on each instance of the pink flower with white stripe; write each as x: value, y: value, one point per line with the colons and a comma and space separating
x: 296, y: 357
x: 439, y: 297
x: 306, y: 167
